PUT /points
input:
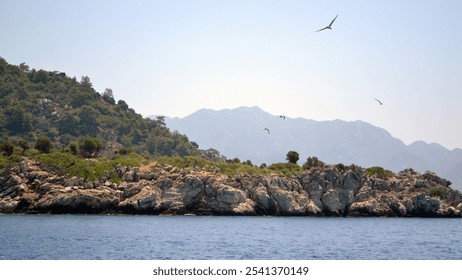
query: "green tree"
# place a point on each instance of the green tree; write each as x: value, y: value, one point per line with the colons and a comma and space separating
x: 86, y: 81
x: 89, y: 147
x: 313, y: 162
x: 7, y: 148
x: 74, y: 148
x: 88, y: 124
x: 160, y: 120
x: 108, y: 96
x: 122, y: 105
x: 43, y: 144
x: 19, y: 120
x: 69, y: 123
x: 24, y: 145
x: 212, y: 154
x: 41, y: 76
x: 24, y: 67
x: 293, y: 157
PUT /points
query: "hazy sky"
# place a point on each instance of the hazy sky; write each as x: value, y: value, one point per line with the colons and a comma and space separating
x: 175, y: 57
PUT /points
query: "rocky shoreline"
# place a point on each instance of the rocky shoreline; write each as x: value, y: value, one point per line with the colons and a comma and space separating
x: 330, y: 190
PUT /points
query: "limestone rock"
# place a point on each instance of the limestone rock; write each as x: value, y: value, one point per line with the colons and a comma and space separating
x: 330, y: 190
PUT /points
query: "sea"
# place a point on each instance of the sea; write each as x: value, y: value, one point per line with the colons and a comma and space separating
x: 126, y: 237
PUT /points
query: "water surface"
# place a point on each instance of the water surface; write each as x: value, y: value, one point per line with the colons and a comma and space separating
x: 92, y: 237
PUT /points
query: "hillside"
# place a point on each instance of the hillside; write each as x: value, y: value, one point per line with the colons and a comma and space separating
x: 240, y: 133
x: 36, y: 103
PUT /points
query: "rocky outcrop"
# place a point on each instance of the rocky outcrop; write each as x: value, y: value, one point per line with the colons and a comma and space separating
x: 326, y: 191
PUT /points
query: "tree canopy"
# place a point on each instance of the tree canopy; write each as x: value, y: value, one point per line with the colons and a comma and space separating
x: 49, y: 103
x: 293, y: 157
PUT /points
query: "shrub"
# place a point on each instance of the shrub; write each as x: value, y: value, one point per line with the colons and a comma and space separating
x: 227, y: 168
x: 43, y: 144
x: 341, y: 167
x: 7, y: 148
x: 438, y: 192
x: 125, y: 151
x: 72, y: 165
x: 287, y: 169
x: 408, y: 170
x: 379, y: 172
x: 24, y: 145
x: 3, y: 162
x: 89, y: 147
x: 313, y: 162
x: 73, y: 148
x: 131, y: 160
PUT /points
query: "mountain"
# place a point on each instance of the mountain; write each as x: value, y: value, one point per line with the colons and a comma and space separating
x: 35, y: 103
x: 239, y: 133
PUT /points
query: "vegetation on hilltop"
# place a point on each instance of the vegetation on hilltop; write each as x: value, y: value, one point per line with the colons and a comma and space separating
x: 39, y: 103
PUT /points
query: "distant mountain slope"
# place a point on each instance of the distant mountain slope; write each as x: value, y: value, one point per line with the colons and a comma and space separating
x: 240, y: 133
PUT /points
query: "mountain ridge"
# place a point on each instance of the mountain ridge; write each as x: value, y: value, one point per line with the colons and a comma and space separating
x: 239, y: 133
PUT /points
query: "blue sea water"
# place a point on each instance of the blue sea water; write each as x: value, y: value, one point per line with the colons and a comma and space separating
x: 93, y: 237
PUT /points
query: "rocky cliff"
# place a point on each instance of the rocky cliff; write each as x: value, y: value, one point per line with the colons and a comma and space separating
x: 325, y: 191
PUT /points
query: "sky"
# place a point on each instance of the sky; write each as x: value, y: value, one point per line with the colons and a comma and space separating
x: 174, y: 57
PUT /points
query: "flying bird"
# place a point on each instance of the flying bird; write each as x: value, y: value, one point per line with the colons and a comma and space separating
x: 380, y: 102
x: 329, y: 26
x: 267, y: 130
x: 282, y: 117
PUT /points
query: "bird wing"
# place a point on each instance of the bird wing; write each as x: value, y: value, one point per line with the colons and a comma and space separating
x: 378, y: 101
x: 333, y: 21
x: 322, y: 29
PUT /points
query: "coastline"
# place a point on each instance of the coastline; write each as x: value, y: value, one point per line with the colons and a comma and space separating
x: 324, y: 191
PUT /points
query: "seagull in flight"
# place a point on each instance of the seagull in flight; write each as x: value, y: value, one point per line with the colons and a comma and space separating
x: 267, y: 130
x: 329, y: 26
x: 282, y: 117
x: 380, y: 102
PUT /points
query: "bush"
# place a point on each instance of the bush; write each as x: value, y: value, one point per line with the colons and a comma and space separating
x: 131, y: 160
x: 287, y: 169
x: 227, y: 168
x: 313, y: 162
x: 89, y: 147
x: 379, y: 172
x: 125, y: 151
x: 408, y: 170
x: 3, y: 162
x: 7, y: 148
x: 74, y: 148
x: 43, y: 144
x: 24, y: 145
x: 342, y: 167
x: 72, y: 165
x: 438, y: 192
